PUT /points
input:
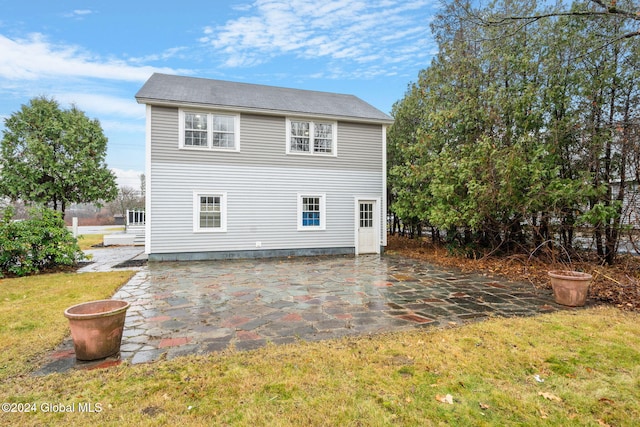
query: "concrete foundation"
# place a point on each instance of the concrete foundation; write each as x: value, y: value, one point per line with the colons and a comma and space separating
x: 253, y: 254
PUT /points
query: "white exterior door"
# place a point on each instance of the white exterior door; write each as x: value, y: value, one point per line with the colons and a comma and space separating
x: 367, y: 227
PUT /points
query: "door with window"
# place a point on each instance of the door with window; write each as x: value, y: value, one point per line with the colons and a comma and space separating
x: 367, y: 230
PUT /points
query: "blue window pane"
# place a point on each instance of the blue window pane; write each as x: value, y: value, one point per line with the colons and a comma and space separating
x: 311, y: 219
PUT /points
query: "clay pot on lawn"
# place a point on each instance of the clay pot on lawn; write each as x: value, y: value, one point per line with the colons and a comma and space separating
x: 96, y: 328
x: 570, y: 287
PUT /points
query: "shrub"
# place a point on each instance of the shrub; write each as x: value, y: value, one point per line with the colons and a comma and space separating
x: 42, y: 241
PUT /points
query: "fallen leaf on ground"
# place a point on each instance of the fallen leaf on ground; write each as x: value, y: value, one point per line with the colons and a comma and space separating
x: 549, y: 396
x: 615, y: 288
x: 445, y: 399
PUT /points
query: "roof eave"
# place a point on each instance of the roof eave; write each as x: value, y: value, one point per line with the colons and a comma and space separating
x: 271, y: 112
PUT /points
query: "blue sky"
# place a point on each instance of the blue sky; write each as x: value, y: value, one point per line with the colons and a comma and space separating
x: 96, y: 54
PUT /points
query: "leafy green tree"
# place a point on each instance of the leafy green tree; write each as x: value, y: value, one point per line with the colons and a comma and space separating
x: 406, y: 190
x: 516, y: 133
x: 54, y: 156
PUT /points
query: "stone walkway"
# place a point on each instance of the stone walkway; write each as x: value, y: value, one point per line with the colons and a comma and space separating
x: 201, y: 307
x: 109, y: 259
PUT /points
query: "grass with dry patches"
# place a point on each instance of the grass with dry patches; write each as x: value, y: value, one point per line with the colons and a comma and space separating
x: 569, y: 368
x: 87, y: 241
x: 31, y: 316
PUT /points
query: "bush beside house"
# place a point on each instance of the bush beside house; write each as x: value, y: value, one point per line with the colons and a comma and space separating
x: 35, y: 244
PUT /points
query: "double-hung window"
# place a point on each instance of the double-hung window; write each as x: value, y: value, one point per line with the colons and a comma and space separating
x: 209, y: 212
x: 212, y: 131
x: 311, y: 212
x: 195, y: 130
x: 223, y: 132
x: 311, y: 137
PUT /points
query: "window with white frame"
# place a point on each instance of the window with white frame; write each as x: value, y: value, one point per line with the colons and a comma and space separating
x: 311, y: 137
x: 209, y: 212
x: 209, y: 130
x: 311, y: 212
x: 195, y: 130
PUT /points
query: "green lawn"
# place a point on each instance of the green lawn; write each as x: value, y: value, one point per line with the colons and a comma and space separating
x: 31, y: 315
x: 573, y: 368
x: 86, y: 241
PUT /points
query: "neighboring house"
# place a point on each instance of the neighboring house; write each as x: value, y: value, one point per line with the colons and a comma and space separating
x: 237, y: 170
x: 630, y: 204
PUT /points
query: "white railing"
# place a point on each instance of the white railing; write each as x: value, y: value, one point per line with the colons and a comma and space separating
x: 135, y: 217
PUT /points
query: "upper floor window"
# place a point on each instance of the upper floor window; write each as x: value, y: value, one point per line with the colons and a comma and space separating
x: 195, y: 130
x: 209, y: 130
x: 310, y: 137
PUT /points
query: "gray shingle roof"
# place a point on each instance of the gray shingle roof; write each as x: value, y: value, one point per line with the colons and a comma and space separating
x: 170, y: 89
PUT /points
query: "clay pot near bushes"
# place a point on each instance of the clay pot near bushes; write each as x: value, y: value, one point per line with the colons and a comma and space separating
x: 570, y: 287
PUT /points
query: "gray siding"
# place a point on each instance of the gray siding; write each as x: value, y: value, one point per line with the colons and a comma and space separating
x: 261, y: 206
x: 263, y: 142
x: 630, y: 204
x: 262, y: 183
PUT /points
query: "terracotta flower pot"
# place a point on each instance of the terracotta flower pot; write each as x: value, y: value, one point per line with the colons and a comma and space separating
x: 96, y: 328
x: 570, y: 287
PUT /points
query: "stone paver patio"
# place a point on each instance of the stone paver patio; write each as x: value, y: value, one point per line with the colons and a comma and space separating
x: 201, y: 307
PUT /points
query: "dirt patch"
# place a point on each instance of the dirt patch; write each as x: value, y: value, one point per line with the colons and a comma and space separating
x: 131, y: 263
x: 618, y: 285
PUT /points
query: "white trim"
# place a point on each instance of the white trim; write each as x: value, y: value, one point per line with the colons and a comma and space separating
x: 356, y: 219
x: 270, y: 112
x: 147, y: 178
x: 323, y: 212
x: 384, y: 207
x: 312, y: 123
x: 210, y: 115
x: 196, y: 211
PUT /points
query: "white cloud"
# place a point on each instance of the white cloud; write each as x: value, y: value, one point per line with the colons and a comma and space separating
x: 101, y: 105
x: 363, y: 32
x: 35, y: 58
x: 78, y: 13
x: 82, y: 12
x: 135, y: 127
x: 127, y: 178
x: 162, y: 56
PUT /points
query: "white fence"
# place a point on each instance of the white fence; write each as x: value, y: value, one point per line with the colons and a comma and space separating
x: 135, y: 217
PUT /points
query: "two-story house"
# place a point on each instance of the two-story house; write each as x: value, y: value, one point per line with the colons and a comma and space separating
x: 236, y: 170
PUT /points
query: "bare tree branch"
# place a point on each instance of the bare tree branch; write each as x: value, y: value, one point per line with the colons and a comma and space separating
x: 516, y: 23
x: 612, y: 9
x: 608, y: 11
x: 610, y: 42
